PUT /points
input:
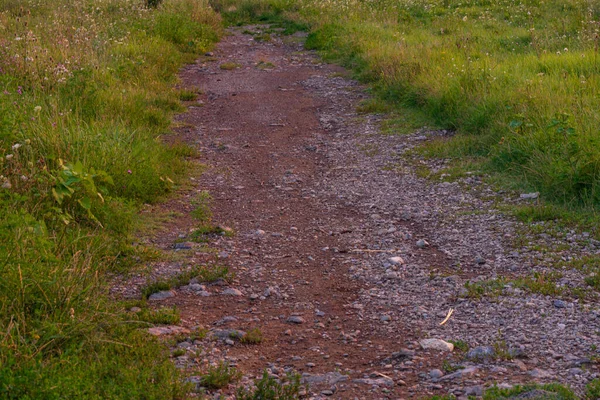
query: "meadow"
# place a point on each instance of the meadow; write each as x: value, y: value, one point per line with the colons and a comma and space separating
x: 87, y: 91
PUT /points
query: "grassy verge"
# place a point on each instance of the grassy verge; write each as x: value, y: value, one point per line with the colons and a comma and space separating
x: 86, y: 92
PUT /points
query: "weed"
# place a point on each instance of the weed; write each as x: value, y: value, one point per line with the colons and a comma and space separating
x: 177, y: 353
x: 161, y: 316
x: 552, y: 391
x: 593, y: 389
x: 492, y: 287
x: 460, y: 345
x: 252, y: 336
x: 204, y: 273
x: 543, y: 283
x: 265, y: 65
x: 267, y: 388
x: 229, y: 66
x: 219, y: 376
x: 188, y: 95
x: 202, y: 204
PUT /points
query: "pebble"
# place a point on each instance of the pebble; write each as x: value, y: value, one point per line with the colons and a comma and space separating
x: 435, y: 374
x: 422, y: 243
x: 460, y: 374
x: 559, y: 304
x: 396, y: 260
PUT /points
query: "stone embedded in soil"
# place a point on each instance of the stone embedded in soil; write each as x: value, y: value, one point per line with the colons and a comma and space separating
x: 559, y: 304
x: 228, y: 334
x: 295, y: 319
x: 167, y: 330
x: 396, y: 260
x: 474, y: 391
x: 231, y: 292
x: 435, y: 374
x: 436, y: 344
x: 183, y: 245
x: 481, y: 353
x: 422, y: 243
x: 375, y: 382
x: 460, y: 374
x: 161, y: 295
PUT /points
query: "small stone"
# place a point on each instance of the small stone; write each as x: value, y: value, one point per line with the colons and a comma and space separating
x: 520, y: 364
x: 310, y: 365
x: 327, y: 392
x: 435, y: 374
x: 474, y: 391
x: 184, y: 245
x: 559, y: 304
x: 480, y: 353
x: 135, y: 309
x: 196, y: 287
x: 168, y: 330
x: 422, y: 243
x: 460, y: 374
x: 480, y: 260
x: 533, y: 195
x: 161, y: 295
x: 203, y: 293
x: 385, y: 318
x: 539, y: 373
x: 436, y: 344
x: 396, y: 260
x: 259, y: 232
x: 295, y: 319
x: 231, y: 292
x: 376, y: 382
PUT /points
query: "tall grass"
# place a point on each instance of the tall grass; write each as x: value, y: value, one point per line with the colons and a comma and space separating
x: 518, y: 80
x: 86, y: 92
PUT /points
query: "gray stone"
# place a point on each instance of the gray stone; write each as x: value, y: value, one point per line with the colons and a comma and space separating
x: 231, y: 292
x: 196, y: 287
x: 375, y: 382
x: 161, y: 295
x: 480, y: 353
x: 396, y: 260
x: 559, y: 304
x: 184, y: 245
x: 533, y: 195
x: 474, y: 391
x: 436, y: 344
x: 421, y: 243
x: 295, y: 319
x: 460, y: 374
x: 435, y: 374
x: 537, y: 394
x: 330, y: 378
x: 225, y: 334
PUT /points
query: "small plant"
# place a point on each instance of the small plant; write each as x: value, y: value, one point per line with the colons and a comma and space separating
x: 448, y: 368
x: 267, y: 388
x: 502, y: 351
x: 219, y: 376
x: 202, y: 205
x: 178, y: 353
x: 543, y: 283
x: 593, y: 389
x: 188, y: 95
x: 460, y: 345
x: 253, y: 336
x: 161, y: 316
x: 228, y: 66
x: 492, y: 287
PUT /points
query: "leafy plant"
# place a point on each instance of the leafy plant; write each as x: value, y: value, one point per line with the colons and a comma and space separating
x: 219, y: 376
x: 267, y: 388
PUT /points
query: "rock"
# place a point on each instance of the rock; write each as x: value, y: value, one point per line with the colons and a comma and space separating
x: 559, y: 304
x: 231, y: 292
x: 422, y: 243
x: 184, y: 245
x: 396, y: 260
x: 295, y: 319
x: 310, y: 365
x: 460, y: 374
x: 520, y: 364
x: 226, y: 320
x: 327, y: 392
x: 533, y: 195
x: 436, y: 344
x: 480, y: 260
x: 375, y: 382
x: 168, y: 330
x: 209, y: 54
x: 225, y: 334
x: 135, y: 309
x: 161, y: 295
x: 481, y: 353
x: 385, y: 318
x: 203, y: 293
x: 330, y: 378
x: 435, y: 374
x: 539, y: 373
x: 474, y: 391
x: 196, y: 287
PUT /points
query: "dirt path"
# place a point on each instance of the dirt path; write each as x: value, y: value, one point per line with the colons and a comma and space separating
x: 321, y: 203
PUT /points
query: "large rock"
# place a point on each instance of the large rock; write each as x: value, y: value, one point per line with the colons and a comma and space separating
x: 481, y: 353
x: 436, y: 344
x: 161, y: 295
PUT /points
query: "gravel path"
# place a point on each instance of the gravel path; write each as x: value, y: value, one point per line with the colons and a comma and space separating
x: 345, y: 259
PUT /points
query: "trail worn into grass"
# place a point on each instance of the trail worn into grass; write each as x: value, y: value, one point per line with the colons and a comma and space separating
x: 321, y: 203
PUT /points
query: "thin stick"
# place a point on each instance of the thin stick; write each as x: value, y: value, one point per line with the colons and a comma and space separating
x: 447, y: 316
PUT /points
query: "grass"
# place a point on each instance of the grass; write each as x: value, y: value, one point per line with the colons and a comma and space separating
x: 267, y: 388
x: 219, y: 376
x: 204, y: 273
x: 86, y: 95
x: 253, y: 336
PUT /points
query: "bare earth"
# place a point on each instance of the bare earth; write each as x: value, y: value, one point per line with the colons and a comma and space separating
x: 321, y: 201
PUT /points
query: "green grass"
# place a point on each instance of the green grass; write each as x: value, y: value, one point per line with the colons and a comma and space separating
x: 86, y: 95
x: 267, y: 388
x: 253, y: 336
x: 204, y: 273
x: 219, y: 376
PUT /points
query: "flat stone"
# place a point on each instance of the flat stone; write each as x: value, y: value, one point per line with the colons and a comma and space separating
x: 539, y: 373
x: 231, y: 292
x: 375, y: 382
x: 559, y: 304
x: 184, y: 245
x: 167, y: 330
x: 533, y: 195
x: 295, y: 319
x: 436, y: 344
x: 422, y: 243
x: 435, y: 374
x: 474, y: 391
x: 228, y: 334
x: 330, y: 378
x: 460, y: 374
x: 196, y: 287
x: 480, y: 353
x: 396, y: 260
x: 161, y: 295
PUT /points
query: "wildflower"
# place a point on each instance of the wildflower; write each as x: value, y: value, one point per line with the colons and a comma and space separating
x: 16, y: 146
x: 9, y: 156
x: 24, y: 178
x: 27, y: 141
x: 566, y: 49
x: 129, y: 171
x: 6, y: 185
x: 465, y: 18
x: 37, y: 108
